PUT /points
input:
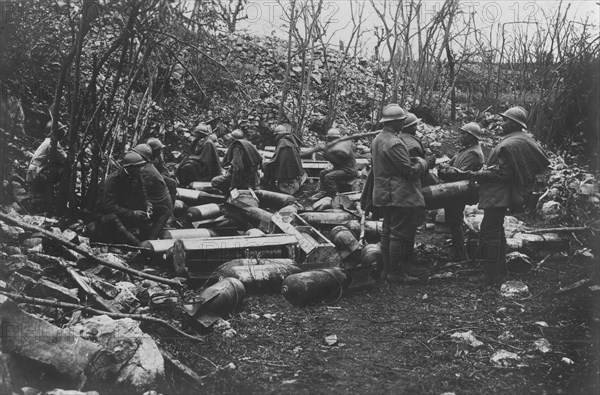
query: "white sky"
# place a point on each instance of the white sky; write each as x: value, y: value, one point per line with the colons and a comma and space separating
x: 264, y: 16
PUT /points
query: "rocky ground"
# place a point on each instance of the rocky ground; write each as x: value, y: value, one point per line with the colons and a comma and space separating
x: 446, y: 334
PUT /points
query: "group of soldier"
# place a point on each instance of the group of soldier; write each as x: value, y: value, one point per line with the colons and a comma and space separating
x: 398, y: 173
x: 140, y: 194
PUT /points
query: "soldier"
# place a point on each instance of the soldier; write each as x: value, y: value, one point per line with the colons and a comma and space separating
x: 415, y: 146
x: 341, y: 156
x: 469, y: 158
x: 243, y: 160
x: 157, y: 192
x: 397, y: 195
x: 506, y: 182
x: 409, y: 136
x: 285, y: 167
x: 122, y: 205
x: 44, y: 171
x: 158, y: 160
x: 203, y: 162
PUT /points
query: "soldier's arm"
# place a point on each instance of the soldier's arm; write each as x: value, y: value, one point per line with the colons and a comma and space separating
x: 503, y: 171
x: 237, y: 168
x: 451, y: 162
x: 407, y: 168
x: 472, y: 162
x: 111, y: 205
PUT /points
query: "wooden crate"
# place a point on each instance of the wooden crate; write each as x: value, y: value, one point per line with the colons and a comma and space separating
x: 314, y: 249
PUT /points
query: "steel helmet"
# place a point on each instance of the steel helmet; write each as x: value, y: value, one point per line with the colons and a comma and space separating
x: 473, y: 129
x: 132, y: 158
x: 280, y: 129
x: 144, y: 151
x: 237, y: 134
x: 392, y: 112
x: 333, y: 133
x: 411, y: 119
x: 202, y: 128
x: 155, y: 143
x: 517, y: 114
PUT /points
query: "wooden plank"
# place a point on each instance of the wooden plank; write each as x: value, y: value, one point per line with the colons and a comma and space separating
x: 322, y: 164
x: 223, y: 242
x: 305, y: 244
x: 237, y: 242
x: 317, y: 250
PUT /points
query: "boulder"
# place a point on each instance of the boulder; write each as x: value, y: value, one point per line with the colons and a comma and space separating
x: 551, y: 209
x: 126, y: 299
x: 139, y: 365
x: 517, y: 262
x: 32, y: 242
x: 12, y: 250
x: 19, y: 263
x: 46, y: 289
x: 49, y: 263
x: 20, y: 283
x: 27, y: 336
x: 10, y: 233
x: 514, y: 289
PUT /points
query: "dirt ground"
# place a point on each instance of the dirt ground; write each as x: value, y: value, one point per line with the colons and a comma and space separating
x: 396, y: 339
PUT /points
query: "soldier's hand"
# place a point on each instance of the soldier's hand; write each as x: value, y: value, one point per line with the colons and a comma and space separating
x: 430, y: 161
x: 139, y: 215
x: 321, y: 146
x: 471, y: 182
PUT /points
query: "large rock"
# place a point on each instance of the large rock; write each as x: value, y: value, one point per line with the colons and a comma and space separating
x: 19, y: 263
x: 121, y: 359
x: 47, y: 289
x: 73, y: 358
x: 551, y: 209
x: 10, y: 233
x: 126, y: 299
x: 140, y: 365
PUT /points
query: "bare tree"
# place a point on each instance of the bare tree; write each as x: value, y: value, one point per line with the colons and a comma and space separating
x: 335, y: 70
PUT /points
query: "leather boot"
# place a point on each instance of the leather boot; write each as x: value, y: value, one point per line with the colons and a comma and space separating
x: 458, y: 252
x: 494, y: 258
x: 385, y: 256
x: 398, y: 262
x: 412, y: 266
x: 501, y: 263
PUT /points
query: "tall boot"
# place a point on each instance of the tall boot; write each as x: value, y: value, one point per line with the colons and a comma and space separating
x: 501, y: 263
x: 385, y: 256
x: 414, y: 267
x: 458, y: 252
x: 493, y: 256
x: 398, y: 262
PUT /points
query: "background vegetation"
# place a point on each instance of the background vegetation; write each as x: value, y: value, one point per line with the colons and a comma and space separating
x: 118, y: 72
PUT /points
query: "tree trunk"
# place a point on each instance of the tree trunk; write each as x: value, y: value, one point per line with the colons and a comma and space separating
x: 288, y: 67
x: 88, y: 13
x: 452, y: 87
